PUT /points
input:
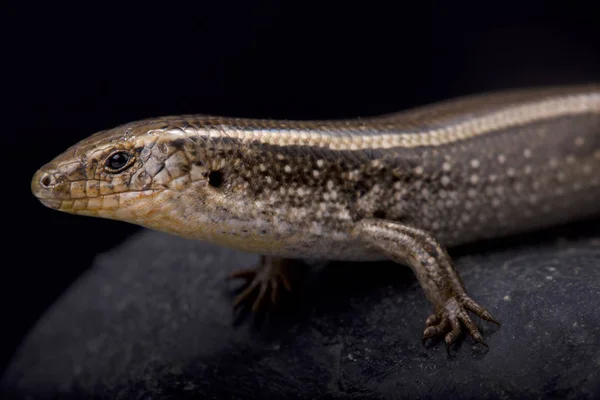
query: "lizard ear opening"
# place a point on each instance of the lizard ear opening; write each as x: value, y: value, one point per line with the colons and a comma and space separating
x: 215, y: 178
x: 379, y: 214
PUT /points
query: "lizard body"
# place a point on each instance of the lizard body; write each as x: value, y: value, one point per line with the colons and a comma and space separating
x: 401, y: 186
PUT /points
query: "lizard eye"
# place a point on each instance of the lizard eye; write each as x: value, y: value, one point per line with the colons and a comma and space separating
x: 118, y: 161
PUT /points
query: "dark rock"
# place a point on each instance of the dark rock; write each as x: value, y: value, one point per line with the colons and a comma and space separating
x: 153, y: 319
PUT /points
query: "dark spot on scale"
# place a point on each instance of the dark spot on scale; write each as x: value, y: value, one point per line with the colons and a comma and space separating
x: 228, y: 141
x: 199, y: 163
x: 263, y: 232
x: 178, y: 143
x: 215, y: 178
x: 185, y: 168
x: 379, y: 214
x: 81, y: 169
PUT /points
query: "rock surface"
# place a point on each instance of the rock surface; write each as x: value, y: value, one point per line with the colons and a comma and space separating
x: 153, y: 319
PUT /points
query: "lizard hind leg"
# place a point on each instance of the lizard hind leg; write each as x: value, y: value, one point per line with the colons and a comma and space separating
x: 267, y: 279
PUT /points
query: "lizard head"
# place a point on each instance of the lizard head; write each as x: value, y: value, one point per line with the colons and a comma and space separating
x: 179, y: 175
x: 126, y: 173
x: 223, y: 180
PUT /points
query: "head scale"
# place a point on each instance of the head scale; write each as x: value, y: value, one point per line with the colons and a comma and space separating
x: 127, y: 173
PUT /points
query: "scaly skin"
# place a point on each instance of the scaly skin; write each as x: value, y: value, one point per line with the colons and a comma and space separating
x: 400, y: 186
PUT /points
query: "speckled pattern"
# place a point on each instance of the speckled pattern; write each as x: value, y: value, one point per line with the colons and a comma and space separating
x: 418, y: 181
x: 529, y: 159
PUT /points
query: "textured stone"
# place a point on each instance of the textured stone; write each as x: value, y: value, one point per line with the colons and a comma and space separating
x: 153, y: 319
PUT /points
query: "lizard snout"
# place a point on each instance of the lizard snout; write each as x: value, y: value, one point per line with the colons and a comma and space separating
x: 44, y: 185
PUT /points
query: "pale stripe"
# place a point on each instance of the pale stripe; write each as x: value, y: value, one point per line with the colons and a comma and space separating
x: 340, y: 139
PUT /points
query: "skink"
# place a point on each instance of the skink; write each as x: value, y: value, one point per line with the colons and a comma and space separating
x: 401, y: 186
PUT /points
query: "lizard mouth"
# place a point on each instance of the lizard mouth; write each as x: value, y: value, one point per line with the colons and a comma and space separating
x: 120, y: 206
x: 50, y: 203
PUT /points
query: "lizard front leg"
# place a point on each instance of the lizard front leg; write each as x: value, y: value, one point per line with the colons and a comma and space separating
x: 267, y: 277
x: 433, y: 267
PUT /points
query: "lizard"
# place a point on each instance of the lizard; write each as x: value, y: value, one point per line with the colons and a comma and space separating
x: 403, y: 186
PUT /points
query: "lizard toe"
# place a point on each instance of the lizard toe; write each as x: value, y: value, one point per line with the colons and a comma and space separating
x: 437, y: 330
x: 266, y: 281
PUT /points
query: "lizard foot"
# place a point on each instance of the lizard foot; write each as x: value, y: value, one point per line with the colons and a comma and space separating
x: 449, y: 321
x: 268, y: 276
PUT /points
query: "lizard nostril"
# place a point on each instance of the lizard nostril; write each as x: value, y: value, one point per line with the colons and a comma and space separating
x: 46, y: 181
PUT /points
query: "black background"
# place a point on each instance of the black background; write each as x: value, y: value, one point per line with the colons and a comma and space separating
x: 77, y: 69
